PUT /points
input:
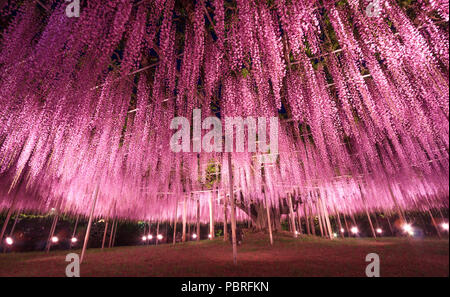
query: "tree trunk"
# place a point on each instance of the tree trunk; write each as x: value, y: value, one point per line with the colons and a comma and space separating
x: 257, y: 213
x: 308, y: 231
x: 292, y: 217
x: 299, y: 221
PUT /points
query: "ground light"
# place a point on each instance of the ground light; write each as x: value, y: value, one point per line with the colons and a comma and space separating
x: 408, y: 229
x: 150, y: 237
x: 9, y: 241
x: 194, y: 236
x: 55, y: 239
x: 342, y: 230
x: 144, y: 238
x: 379, y: 230
x: 445, y: 226
x: 74, y: 239
x: 159, y: 237
x: 354, y: 230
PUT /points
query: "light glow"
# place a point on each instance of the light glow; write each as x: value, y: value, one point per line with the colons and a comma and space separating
x: 74, y: 239
x: 194, y: 236
x: 408, y: 229
x: 9, y: 241
x: 159, y: 237
x: 55, y: 239
x: 150, y: 237
x: 354, y: 230
x: 445, y: 226
x: 144, y: 238
x: 379, y: 231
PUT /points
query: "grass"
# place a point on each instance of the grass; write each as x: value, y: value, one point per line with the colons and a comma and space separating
x: 304, y: 256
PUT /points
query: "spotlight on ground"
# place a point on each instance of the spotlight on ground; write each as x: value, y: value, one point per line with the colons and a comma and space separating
x: 9, y: 241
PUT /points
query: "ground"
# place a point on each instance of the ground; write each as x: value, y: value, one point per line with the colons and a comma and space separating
x: 304, y: 256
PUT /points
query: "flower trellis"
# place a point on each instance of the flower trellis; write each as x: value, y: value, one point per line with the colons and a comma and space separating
x: 86, y: 102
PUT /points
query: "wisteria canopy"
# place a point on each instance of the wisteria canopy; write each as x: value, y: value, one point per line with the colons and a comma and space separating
x: 86, y: 103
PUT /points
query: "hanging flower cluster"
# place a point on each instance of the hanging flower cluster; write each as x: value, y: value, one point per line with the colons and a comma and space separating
x: 87, y: 102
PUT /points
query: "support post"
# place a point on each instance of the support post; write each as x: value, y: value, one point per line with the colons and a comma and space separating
x: 346, y: 224
x: 112, y: 232
x: 198, y: 220
x: 233, y: 210
x: 339, y: 222
x: 399, y: 209
x: 291, y: 213
x: 269, y: 223
x: 225, y: 217
x: 88, y: 231
x: 157, y: 232
x: 5, y: 224
x: 211, y: 216
x: 376, y: 220
x: 370, y: 222
x: 299, y: 220
x: 15, y: 223
x: 175, y: 221
x: 52, y: 232
x: 13, y: 227
x: 326, y: 218
x: 115, y: 232
x: 250, y: 222
x: 311, y: 219
x: 104, y: 234
x: 8, y: 216
x: 352, y: 216
x: 389, y: 224
x: 434, y: 224
x: 75, y: 227
x: 308, y: 230
x: 183, y: 238
x: 367, y: 212
x: 322, y: 231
